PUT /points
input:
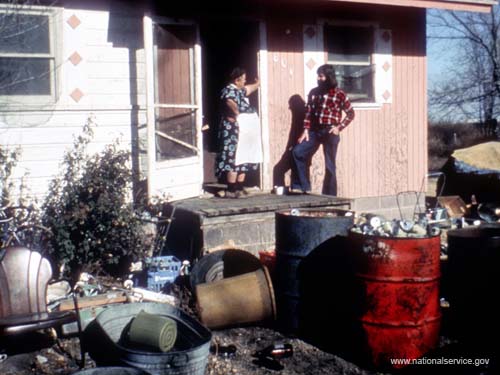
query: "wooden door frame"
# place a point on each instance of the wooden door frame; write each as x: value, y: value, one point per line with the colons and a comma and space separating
x: 148, y: 22
x: 262, y: 69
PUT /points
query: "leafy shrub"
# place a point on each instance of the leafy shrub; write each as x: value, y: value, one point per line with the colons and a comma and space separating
x: 8, y: 162
x: 20, y: 224
x: 89, y: 211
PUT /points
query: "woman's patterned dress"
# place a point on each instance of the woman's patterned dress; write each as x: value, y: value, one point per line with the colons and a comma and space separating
x: 228, y: 134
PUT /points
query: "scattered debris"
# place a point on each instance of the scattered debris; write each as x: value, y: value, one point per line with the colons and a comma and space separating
x: 58, y: 291
x: 489, y: 212
x: 87, y: 285
x: 145, y: 295
x: 376, y: 225
x: 226, y: 351
x: 276, y: 350
x: 269, y: 363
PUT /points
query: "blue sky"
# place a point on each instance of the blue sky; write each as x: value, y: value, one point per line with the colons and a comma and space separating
x: 439, y: 55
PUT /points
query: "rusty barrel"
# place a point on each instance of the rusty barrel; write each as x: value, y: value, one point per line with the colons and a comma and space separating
x: 470, y: 283
x: 300, y: 233
x: 397, y: 296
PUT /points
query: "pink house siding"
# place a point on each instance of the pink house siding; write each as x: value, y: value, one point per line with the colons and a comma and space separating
x: 384, y: 151
x: 286, y: 78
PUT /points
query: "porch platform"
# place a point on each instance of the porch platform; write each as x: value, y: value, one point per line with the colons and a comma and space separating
x: 201, y: 225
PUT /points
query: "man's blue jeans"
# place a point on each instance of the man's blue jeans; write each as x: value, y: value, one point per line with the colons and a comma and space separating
x: 303, y: 152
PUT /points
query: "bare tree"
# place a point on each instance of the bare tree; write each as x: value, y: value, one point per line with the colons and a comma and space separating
x: 472, y: 87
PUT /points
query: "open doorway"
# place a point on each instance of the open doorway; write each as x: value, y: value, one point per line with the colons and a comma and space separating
x: 225, y: 44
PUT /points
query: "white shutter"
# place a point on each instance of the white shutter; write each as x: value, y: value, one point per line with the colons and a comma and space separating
x: 382, y: 59
x: 314, y: 55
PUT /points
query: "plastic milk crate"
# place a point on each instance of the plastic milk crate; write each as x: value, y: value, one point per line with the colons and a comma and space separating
x: 162, y: 270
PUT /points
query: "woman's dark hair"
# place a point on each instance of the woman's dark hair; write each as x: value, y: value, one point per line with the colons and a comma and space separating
x: 235, y: 73
x: 329, y: 71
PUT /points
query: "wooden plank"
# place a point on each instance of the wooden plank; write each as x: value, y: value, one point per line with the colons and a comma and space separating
x: 111, y: 54
x: 256, y: 203
x: 92, y: 301
x: 113, y: 70
x: 67, y: 119
x: 112, y: 86
x: 60, y: 135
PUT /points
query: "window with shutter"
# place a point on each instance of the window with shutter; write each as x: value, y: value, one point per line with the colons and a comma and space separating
x: 383, y: 66
x: 362, y: 56
x: 350, y: 49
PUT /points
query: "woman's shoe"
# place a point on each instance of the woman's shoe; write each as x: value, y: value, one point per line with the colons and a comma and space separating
x: 231, y: 194
x: 243, y: 193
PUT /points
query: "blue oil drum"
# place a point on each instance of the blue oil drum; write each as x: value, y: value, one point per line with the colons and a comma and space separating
x: 299, y: 235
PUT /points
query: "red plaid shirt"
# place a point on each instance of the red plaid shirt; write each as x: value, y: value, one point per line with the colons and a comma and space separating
x: 326, y: 110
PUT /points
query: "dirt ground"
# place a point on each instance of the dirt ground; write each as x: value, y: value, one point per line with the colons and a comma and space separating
x: 38, y: 354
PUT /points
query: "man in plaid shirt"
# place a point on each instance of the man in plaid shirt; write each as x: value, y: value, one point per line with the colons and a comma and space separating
x: 322, y: 125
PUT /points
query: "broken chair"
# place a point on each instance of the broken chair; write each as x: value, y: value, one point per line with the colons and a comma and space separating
x: 24, y: 277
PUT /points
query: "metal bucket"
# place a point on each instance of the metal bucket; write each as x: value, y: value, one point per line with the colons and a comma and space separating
x: 298, y: 234
x: 397, y: 295
x: 189, y: 356
x: 470, y: 283
x: 236, y: 300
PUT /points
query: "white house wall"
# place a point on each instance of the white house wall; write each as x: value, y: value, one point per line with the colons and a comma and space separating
x: 94, y: 80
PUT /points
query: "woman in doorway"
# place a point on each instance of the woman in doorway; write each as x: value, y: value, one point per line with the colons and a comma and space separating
x: 234, y: 101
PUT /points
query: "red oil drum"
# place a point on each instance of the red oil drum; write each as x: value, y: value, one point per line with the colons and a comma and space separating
x: 397, y: 296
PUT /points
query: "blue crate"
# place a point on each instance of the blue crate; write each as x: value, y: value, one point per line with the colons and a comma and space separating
x: 161, y: 270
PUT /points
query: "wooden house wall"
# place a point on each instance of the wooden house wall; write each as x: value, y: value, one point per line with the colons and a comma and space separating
x: 384, y: 150
x: 100, y: 77
x: 286, y: 80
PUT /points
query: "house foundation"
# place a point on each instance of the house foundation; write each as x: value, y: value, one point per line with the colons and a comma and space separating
x: 203, y: 225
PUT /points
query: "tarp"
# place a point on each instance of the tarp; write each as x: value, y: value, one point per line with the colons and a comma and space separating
x: 481, y: 158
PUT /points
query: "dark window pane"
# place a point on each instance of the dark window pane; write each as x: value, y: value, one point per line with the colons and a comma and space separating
x: 23, y: 33
x: 25, y: 76
x: 355, y: 80
x: 349, y: 44
x: 179, y: 124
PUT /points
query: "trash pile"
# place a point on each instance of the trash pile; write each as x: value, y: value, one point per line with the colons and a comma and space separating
x: 376, y: 225
x: 451, y: 212
x: 165, y: 308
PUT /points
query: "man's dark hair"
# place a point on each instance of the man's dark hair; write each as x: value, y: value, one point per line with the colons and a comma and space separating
x: 235, y: 73
x: 329, y: 71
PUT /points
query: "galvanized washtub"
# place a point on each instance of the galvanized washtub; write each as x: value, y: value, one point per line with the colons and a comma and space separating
x: 102, y: 339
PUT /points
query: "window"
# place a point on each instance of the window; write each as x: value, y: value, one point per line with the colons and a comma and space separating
x: 350, y: 50
x: 27, y: 57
